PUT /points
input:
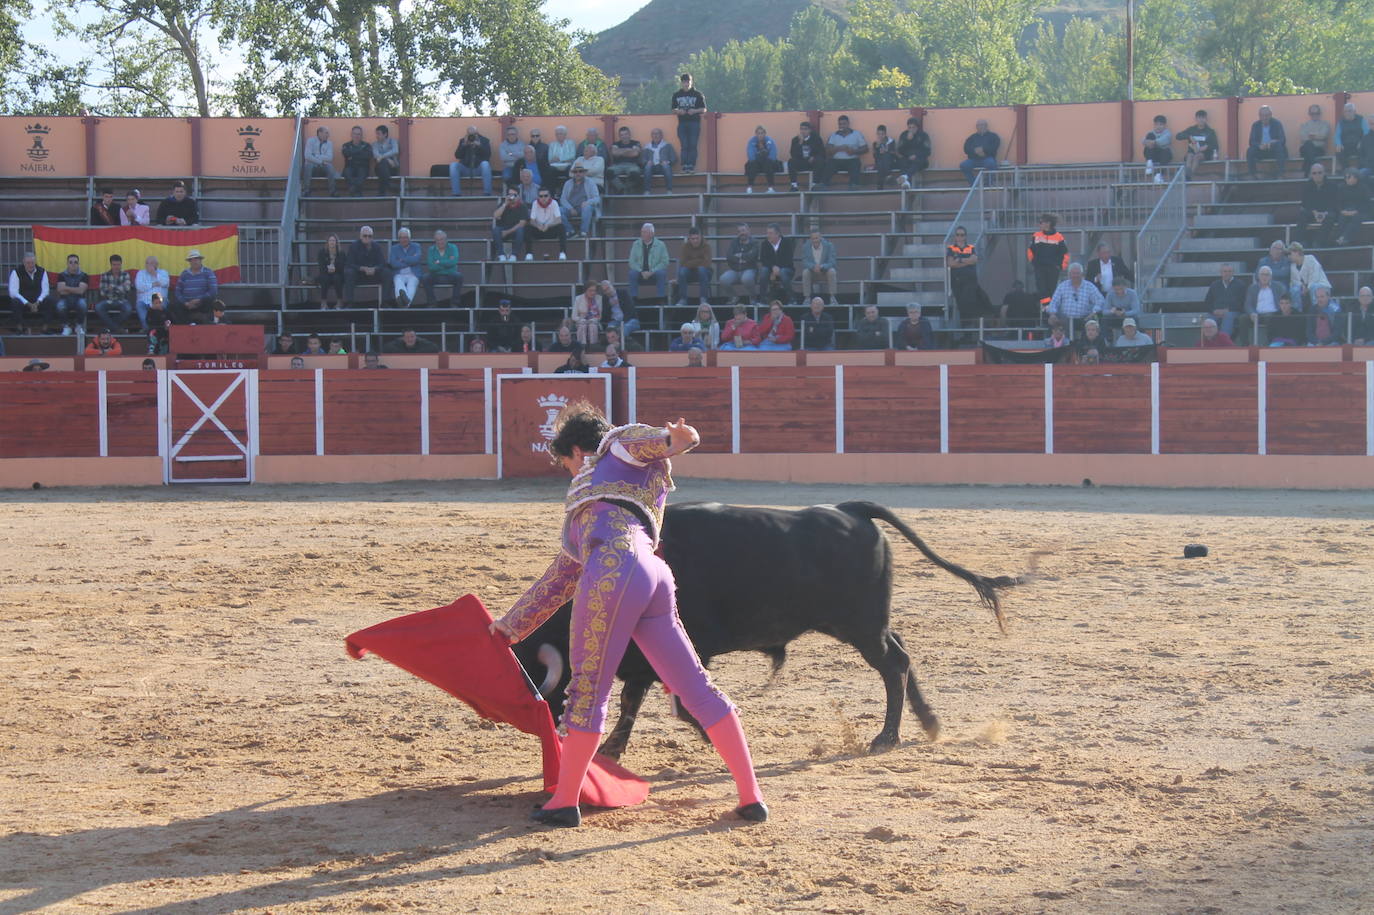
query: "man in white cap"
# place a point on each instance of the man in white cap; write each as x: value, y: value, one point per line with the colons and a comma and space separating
x: 196, y: 289
x: 1130, y: 336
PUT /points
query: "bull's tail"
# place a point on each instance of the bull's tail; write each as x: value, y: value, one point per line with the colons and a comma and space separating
x: 987, y: 587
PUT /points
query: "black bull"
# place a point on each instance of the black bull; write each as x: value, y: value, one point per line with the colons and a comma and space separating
x: 754, y: 579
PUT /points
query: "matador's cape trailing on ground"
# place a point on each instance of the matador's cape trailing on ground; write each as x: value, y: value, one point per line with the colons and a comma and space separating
x: 452, y: 648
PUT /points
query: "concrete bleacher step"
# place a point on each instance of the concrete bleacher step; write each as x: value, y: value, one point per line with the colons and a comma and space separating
x: 916, y: 274
x: 1176, y: 294
x: 1219, y: 243
x: 932, y: 227
x: 1228, y: 220
x: 903, y: 299
x: 923, y: 250
x: 1209, y: 269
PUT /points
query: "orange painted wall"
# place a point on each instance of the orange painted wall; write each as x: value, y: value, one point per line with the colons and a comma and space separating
x: 339, y: 129
x: 1180, y: 115
x: 61, y: 150
x: 950, y: 127
x: 229, y: 147
x: 734, y: 130
x: 1291, y: 110
x: 144, y: 147
x: 1062, y: 134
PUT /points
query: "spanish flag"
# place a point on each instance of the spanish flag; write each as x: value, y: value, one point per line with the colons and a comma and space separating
x: 219, y: 245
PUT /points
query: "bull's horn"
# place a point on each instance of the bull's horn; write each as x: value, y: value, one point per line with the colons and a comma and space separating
x: 552, y: 659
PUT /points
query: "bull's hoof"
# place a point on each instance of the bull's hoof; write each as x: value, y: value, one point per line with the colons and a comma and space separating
x: 611, y: 751
x: 932, y: 728
x: 882, y: 743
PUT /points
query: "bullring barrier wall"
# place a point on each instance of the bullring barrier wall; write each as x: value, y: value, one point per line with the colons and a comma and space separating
x: 1233, y: 420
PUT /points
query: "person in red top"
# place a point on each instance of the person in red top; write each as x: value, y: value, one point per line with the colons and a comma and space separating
x: 1212, y: 338
x: 1048, y: 254
x: 738, y: 332
x: 776, y: 330
x: 104, y: 345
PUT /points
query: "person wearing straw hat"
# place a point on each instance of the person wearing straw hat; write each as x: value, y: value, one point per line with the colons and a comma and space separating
x: 196, y: 289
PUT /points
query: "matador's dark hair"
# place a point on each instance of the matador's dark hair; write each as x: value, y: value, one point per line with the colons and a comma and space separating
x: 579, y: 424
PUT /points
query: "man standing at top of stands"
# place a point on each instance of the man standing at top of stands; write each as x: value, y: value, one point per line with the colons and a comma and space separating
x: 28, y: 288
x: 1267, y: 141
x: 357, y: 155
x: 843, y: 150
x: 689, y: 105
x: 319, y: 158
x: 179, y: 209
x: 196, y: 289
x: 980, y: 150
x: 807, y: 154
x: 105, y: 213
x: 1048, y: 254
x: 366, y: 264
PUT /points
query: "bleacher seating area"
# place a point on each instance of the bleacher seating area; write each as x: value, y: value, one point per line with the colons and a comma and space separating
x: 890, y: 245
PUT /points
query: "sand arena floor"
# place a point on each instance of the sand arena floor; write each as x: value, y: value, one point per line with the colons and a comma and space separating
x: 181, y: 731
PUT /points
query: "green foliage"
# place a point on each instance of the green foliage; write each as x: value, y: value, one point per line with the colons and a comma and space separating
x: 1086, y: 62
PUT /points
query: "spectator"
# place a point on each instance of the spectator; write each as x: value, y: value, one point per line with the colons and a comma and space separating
x: 545, y: 224
x: 158, y: 322
x: 1306, y: 276
x: 626, y: 176
x: 1321, y: 323
x: 562, y: 152
x: 625, y: 345
x: 1261, y: 299
x: 319, y: 158
x: 366, y: 264
x: 1278, y: 263
x: 541, y: 155
x: 1047, y: 254
x: 843, y: 151
x: 1158, y: 149
x: 503, y: 333
x: 1267, y: 141
x: 581, y: 198
x: 913, y: 152
x: 29, y: 292
x: 149, y: 365
x: 1075, y: 297
x: 586, y: 315
x: 686, y: 340
x: 196, y: 289
x: 1317, y: 217
x: 116, y: 293
x: 372, y: 361
x: 1287, y: 328
x: 1225, y: 299
x: 70, y: 296
x: 708, y: 328
x: 648, y: 262
x: 761, y: 158
x: 961, y: 259
x: 1020, y: 306
x: 594, y: 165
x: 387, y: 159
x: 1120, y: 303
x: 406, y: 262
x: 528, y: 187
x: 689, y: 105
x: 1201, y: 140
x: 408, y: 342
x: 1091, y: 357
x: 511, y: 152
x: 1092, y: 339
x: 915, y: 331
x: 695, y: 359
x: 775, y: 332
x: 218, y: 315
x: 314, y: 346
x: 738, y: 332
x: 478, y: 345
x: 980, y: 150
x: 657, y: 159
x: 1313, y: 136
x: 694, y: 266
x: 1362, y: 319
x: 297, y: 362
x: 134, y: 212
x: 333, y: 266
x: 1213, y: 337
x: 1352, y: 206
x: 776, y: 254
x: 1057, y: 337
x: 884, y: 155
x: 1350, y: 131
x: 357, y: 156
x: 530, y: 163
x: 1105, y: 267
x: 741, y: 265
x: 871, y: 331
x: 1130, y: 336
x: 613, y: 358
x: 178, y: 209
x: 563, y: 340
x: 1367, y: 155
x: 105, y: 344
x: 620, y: 317
x: 106, y: 212
x: 286, y: 344
x: 508, y: 223
x: 527, y: 342
x: 593, y: 145
x: 818, y: 264
x: 441, y: 267
x: 36, y: 365
x: 471, y: 159
x: 807, y: 154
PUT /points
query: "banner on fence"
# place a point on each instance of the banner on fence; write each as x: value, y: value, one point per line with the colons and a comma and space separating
x: 219, y: 245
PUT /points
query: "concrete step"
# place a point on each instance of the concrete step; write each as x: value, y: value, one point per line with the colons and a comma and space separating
x: 903, y: 299
x: 1209, y: 269
x: 923, y: 250
x: 1223, y: 243
x: 1176, y: 294
x: 927, y: 227
x: 1227, y: 220
x: 917, y: 274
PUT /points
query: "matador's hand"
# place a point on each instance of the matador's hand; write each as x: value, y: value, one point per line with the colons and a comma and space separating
x: 682, y: 437
x: 498, y: 627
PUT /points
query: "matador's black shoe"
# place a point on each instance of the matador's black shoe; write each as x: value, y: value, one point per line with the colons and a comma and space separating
x: 756, y: 812
x: 560, y: 817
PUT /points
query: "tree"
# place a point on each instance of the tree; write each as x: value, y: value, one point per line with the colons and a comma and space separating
x: 1087, y: 63
x: 809, y: 61
x: 973, y: 54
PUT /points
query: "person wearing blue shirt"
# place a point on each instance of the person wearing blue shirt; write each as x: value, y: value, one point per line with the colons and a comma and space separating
x: 761, y: 158
x: 406, y: 262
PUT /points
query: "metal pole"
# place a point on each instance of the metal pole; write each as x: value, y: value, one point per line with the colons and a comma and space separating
x: 1130, y: 50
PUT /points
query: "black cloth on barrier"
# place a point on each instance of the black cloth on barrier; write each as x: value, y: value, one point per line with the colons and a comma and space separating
x: 996, y: 355
x: 1147, y: 353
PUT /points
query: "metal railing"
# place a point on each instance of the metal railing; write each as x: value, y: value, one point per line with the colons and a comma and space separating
x: 973, y: 217
x: 1102, y: 196
x: 290, y: 212
x: 1160, y: 234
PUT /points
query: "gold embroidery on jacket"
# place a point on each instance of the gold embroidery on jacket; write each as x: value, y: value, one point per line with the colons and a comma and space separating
x: 602, y: 589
